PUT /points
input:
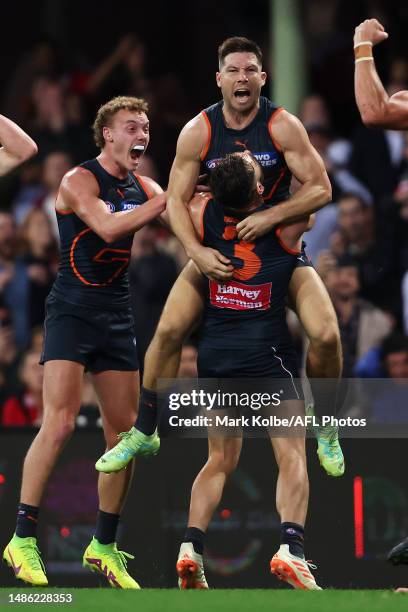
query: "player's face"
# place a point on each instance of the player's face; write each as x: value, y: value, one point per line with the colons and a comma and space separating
x: 127, y: 138
x: 241, y: 79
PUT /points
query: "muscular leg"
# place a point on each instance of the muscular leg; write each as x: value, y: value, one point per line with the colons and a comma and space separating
x: 316, y: 313
x: 292, y: 489
x: 181, y: 312
x: 223, y: 456
x: 118, y: 394
x: 324, y: 357
x: 62, y: 399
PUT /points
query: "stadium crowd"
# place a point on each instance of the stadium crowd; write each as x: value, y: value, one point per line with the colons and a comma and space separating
x: 359, y: 243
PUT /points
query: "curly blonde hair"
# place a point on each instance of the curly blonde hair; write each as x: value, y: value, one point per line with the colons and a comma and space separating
x: 109, y: 110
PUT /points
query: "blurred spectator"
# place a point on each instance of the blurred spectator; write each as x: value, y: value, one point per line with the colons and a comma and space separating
x: 8, y: 244
x: 9, y: 354
x: 41, y: 60
x: 34, y: 273
x: 394, y: 353
x: 372, y: 245
x: 26, y: 408
x: 151, y: 276
x: 362, y: 326
x: 315, y: 115
x: 376, y: 159
x: 43, y: 192
x: 390, y: 403
x: 29, y: 190
x: 37, y: 338
x: 123, y: 71
x: 55, y: 166
x: 53, y: 127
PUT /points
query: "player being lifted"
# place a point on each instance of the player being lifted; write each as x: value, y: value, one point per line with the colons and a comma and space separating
x: 89, y: 325
x: 378, y: 109
x: 243, y: 120
x: 241, y: 339
x: 16, y: 146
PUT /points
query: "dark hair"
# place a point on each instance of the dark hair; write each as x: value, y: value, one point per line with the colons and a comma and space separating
x: 394, y: 343
x: 238, y: 44
x: 232, y: 182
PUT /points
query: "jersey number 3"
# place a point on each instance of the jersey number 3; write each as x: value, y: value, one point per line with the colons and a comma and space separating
x: 244, y: 251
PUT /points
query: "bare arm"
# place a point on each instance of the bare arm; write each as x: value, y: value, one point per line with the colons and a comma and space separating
x: 16, y: 147
x: 183, y: 179
x: 306, y: 165
x: 79, y: 193
x: 182, y: 182
x: 377, y: 108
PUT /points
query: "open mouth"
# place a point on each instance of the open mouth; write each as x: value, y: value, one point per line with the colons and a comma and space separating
x: 136, y: 152
x: 242, y: 94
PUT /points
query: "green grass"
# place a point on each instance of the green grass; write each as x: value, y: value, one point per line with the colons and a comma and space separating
x: 236, y: 600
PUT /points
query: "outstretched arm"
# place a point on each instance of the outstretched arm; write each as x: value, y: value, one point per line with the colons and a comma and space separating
x: 16, y: 147
x: 306, y: 165
x: 377, y: 108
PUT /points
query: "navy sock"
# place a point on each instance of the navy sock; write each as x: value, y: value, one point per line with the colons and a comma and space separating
x: 328, y: 395
x: 27, y: 517
x: 146, y: 421
x: 196, y: 537
x: 106, y: 527
x: 293, y: 534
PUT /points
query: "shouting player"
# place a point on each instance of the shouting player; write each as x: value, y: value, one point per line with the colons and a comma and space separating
x: 16, y: 146
x: 378, y: 109
x: 242, y: 339
x: 244, y: 120
x: 89, y: 325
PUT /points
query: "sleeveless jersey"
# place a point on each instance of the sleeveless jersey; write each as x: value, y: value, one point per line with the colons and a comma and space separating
x: 92, y: 272
x: 249, y: 309
x: 257, y: 139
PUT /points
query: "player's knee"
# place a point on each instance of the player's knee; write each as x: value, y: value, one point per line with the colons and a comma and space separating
x: 327, y: 338
x: 169, y: 332
x: 294, y: 460
x: 225, y: 462
x: 60, y: 431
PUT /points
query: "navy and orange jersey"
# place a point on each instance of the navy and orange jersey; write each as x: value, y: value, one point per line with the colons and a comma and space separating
x: 92, y: 272
x: 257, y: 139
x: 249, y: 309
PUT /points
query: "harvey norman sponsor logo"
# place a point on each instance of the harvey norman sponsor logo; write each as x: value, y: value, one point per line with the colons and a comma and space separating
x: 236, y: 296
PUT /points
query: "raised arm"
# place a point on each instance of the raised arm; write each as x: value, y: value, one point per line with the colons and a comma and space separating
x: 183, y: 179
x: 79, y: 193
x: 16, y: 146
x: 306, y: 165
x: 377, y: 108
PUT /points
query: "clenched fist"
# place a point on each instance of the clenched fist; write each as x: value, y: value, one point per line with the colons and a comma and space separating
x: 370, y: 30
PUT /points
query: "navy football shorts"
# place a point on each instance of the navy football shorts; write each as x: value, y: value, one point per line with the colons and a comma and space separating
x: 266, y: 362
x: 99, y: 339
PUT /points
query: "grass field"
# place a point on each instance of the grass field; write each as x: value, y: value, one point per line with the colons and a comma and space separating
x: 164, y: 600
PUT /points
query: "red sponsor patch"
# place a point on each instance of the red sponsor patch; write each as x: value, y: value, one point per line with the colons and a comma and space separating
x: 237, y: 296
